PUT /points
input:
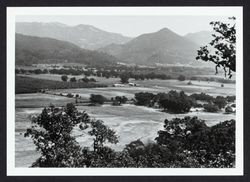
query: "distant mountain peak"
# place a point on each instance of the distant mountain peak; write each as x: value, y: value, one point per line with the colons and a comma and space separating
x: 85, y: 36
x: 163, y: 46
x: 165, y: 30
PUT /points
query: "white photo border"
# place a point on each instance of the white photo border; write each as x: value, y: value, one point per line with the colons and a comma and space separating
x: 229, y: 11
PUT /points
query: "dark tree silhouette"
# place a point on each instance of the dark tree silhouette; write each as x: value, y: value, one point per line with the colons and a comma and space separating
x: 97, y: 99
x: 64, y: 78
x: 52, y: 135
x: 124, y: 78
x: 73, y: 79
x: 224, y: 43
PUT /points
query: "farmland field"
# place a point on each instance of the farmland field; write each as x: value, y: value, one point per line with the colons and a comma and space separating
x: 129, y: 121
x: 156, y: 86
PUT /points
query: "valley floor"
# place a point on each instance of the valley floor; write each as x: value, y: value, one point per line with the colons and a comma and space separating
x: 131, y: 122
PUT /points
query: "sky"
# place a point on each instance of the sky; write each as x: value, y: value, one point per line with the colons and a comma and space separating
x: 132, y: 26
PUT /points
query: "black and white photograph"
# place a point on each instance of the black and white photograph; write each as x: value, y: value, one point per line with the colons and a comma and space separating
x: 125, y: 90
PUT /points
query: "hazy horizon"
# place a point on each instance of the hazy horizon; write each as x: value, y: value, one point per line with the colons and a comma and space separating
x: 132, y: 26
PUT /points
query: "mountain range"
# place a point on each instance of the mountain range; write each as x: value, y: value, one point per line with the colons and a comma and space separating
x: 33, y: 50
x: 85, y: 36
x: 42, y: 42
x: 161, y: 47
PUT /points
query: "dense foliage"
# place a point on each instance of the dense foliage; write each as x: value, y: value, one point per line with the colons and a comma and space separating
x: 51, y: 133
x: 124, y: 78
x: 118, y: 100
x: 211, y: 108
x: 202, y: 97
x: 181, y: 78
x: 207, y: 146
x: 186, y: 142
x: 97, y: 99
x: 64, y: 78
x: 176, y: 102
x: 220, y: 101
x: 144, y: 98
x: 224, y: 43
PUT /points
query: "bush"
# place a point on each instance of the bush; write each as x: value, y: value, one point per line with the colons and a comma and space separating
x: 92, y: 80
x: 144, y: 98
x: 97, y: 99
x: 181, y: 78
x: 124, y: 78
x: 73, y: 79
x: 70, y: 95
x: 231, y: 98
x: 176, y: 102
x: 229, y: 109
x: 220, y: 101
x: 85, y: 79
x: 202, y: 97
x: 64, y: 78
x: 119, y: 100
x: 211, y: 108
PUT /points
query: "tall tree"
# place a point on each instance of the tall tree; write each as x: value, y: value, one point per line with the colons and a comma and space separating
x: 224, y: 43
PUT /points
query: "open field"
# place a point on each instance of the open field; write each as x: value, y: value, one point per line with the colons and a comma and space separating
x: 24, y: 84
x: 57, y: 77
x: 129, y: 121
x: 156, y: 86
x: 38, y: 100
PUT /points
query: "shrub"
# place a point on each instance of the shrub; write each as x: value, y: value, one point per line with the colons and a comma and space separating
x: 64, y: 78
x: 231, y: 98
x: 119, y: 100
x: 124, y: 78
x: 73, y: 79
x: 144, y: 98
x: 181, y: 78
x: 97, y: 99
x: 70, y: 95
x: 85, y: 79
x: 220, y: 101
x: 228, y: 109
x: 176, y: 102
x: 211, y: 108
x: 233, y: 105
x: 202, y: 97
x: 92, y: 80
